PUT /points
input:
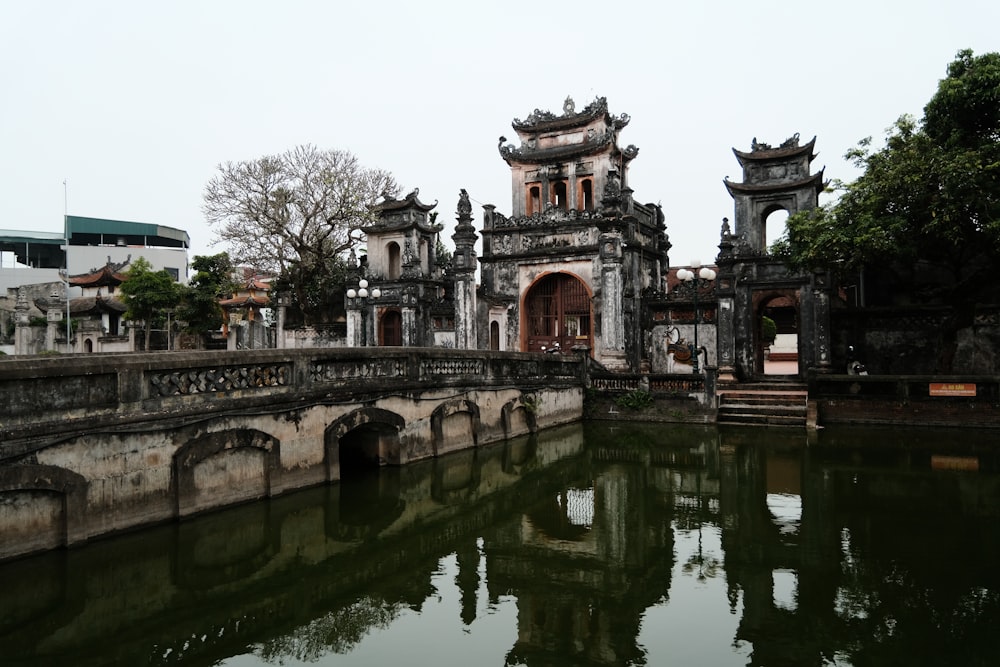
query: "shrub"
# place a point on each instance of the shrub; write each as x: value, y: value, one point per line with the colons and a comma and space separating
x: 768, y: 329
x: 637, y: 399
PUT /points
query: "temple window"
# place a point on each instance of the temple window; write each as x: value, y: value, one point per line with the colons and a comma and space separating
x: 494, y: 335
x: 534, y: 199
x: 559, y: 196
x: 586, y: 195
x: 395, y: 268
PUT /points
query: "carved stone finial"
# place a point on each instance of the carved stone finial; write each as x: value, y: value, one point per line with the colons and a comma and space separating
x: 22, y: 299
x: 613, y: 187
x: 464, y: 205
x: 726, y: 231
x: 569, y: 107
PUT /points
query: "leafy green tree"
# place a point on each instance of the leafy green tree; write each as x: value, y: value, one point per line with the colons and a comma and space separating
x: 293, y: 215
x: 315, y: 293
x: 147, y: 293
x: 212, y: 281
x: 924, y: 217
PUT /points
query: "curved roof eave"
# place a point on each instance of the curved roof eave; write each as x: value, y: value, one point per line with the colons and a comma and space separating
x: 509, y: 153
x: 544, y: 121
x: 816, y: 180
x: 775, y: 153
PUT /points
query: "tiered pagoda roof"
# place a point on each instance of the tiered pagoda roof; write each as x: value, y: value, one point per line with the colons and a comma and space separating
x: 109, y: 275
x: 396, y: 214
x: 763, y: 171
x: 598, y: 131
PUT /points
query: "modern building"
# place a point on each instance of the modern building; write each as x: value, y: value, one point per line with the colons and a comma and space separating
x: 42, y: 257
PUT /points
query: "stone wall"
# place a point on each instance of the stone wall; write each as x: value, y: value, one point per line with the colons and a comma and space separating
x: 924, y: 339
x: 908, y: 400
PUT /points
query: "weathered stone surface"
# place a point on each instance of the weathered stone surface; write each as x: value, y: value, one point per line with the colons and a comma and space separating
x: 70, y: 470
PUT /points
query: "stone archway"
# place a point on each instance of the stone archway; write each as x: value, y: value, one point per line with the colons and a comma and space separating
x: 44, y: 506
x: 455, y: 422
x: 225, y: 467
x: 370, y: 434
x: 779, y: 356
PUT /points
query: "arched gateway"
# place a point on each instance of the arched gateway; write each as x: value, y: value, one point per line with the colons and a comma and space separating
x: 557, y: 314
x: 750, y: 281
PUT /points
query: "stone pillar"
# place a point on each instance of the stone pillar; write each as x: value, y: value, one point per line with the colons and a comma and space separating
x: 411, y: 336
x: 466, y: 333
x: 23, y: 343
x: 355, y: 328
x: 573, y: 186
x: 234, y: 320
x: 725, y: 336
x: 612, y: 352
x: 821, y: 321
x: 54, y: 316
x: 279, y: 329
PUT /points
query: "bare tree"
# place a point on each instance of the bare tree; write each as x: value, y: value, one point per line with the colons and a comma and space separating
x: 295, y: 214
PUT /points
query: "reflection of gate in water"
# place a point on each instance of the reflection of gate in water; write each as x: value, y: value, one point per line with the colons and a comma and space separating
x: 557, y: 310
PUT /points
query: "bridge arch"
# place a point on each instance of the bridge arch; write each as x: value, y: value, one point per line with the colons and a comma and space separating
x: 39, y: 505
x: 517, y: 416
x: 225, y: 467
x: 453, y: 421
x: 375, y: 442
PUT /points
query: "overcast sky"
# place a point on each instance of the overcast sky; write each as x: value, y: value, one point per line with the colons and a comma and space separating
x: 134, y: 104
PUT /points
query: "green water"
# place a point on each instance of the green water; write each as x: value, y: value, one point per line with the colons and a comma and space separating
x: 619, y: 544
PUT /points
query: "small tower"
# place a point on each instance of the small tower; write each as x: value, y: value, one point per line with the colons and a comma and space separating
x: 464, y: 270
x: 752, y: 283
x: 402, y: 280
x: 773, y: 179
x: 572, y: 265
x: 566, y: 162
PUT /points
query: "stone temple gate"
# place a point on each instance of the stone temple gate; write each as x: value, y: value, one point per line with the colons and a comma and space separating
x: 750, y: 282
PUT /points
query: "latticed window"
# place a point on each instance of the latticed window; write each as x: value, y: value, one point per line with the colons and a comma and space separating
x: 558, y: 311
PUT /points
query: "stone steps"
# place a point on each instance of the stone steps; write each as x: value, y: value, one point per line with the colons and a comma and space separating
x: 772, y: 403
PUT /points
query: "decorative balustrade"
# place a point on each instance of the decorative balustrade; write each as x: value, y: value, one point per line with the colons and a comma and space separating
x: 656, y: 384
x: 44, y: 396
x: 336, y: 371
x: 450, y: 367
x: 228, y: 378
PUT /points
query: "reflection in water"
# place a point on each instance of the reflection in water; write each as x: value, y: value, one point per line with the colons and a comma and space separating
x: 619, y: 544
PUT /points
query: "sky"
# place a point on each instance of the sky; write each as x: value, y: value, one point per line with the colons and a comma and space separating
x: 122, y: 109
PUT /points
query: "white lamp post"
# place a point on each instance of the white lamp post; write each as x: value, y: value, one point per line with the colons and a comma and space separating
x: 688, y: 276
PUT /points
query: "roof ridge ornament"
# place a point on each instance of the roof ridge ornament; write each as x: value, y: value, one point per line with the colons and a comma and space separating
x: 790, y: 142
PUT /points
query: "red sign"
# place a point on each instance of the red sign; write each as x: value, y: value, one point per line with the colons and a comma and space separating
x: 953, y: 389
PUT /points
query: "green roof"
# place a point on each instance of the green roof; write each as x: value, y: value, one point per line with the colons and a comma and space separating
x: 168, y: 236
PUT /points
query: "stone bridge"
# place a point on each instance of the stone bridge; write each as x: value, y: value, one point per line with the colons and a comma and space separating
x: 97, y: 444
